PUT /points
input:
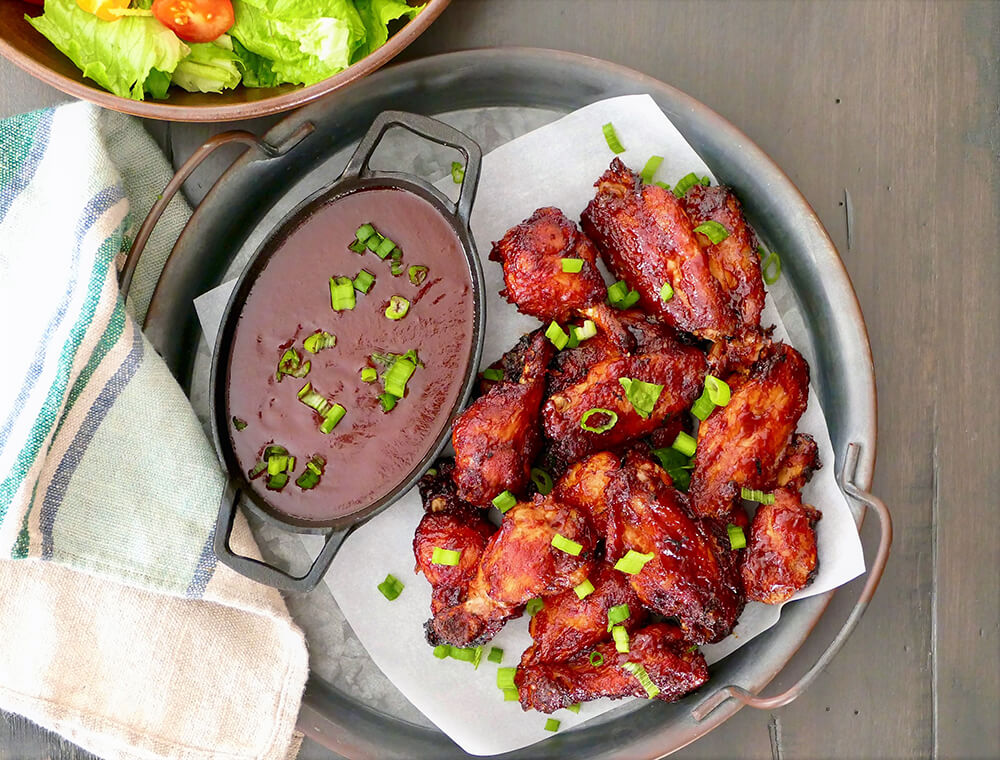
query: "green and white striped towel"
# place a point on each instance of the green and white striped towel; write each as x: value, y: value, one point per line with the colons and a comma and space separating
x: 108, y: 486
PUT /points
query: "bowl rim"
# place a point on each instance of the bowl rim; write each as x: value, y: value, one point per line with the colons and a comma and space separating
x: 162, y: 110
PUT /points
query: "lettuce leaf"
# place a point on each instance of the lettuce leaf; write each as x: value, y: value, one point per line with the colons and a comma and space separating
x: 376, y: 15
x: 256, y: 70
x: 210, y: 67
x: 118, y: 55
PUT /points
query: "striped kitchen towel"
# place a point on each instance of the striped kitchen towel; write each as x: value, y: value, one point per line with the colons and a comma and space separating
x: 118, y: 628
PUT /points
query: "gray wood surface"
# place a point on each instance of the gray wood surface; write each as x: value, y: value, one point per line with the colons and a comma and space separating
x: 889, y: 109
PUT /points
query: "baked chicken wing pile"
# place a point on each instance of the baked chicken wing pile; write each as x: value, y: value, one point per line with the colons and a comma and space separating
x: 640, y: 448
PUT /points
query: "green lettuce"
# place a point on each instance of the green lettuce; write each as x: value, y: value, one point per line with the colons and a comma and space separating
x: 118, y: 55
x: 377, y: 15
x: 210, y: 67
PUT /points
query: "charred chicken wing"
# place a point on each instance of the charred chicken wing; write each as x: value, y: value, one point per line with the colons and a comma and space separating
x: 584, y: 485
x: 671, y: 664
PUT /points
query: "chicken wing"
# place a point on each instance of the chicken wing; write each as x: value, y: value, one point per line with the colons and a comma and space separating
x: 781, y: 554
x: 744, y: 443
x: 646, y: 238
x: 585, y: 484
x: 568, y: 625
x: 673, y: 666
x: 800, y: 461
x: 497, y: 438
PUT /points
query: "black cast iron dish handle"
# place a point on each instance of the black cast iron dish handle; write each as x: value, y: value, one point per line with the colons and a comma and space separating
x: 357, y: 168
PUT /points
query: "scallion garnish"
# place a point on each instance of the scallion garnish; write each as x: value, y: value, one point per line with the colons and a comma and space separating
x: 552, y: 725
x: 364, y: 281
x: 448, y: 557
x: 596, y: 659
x: 358, y: 246
x: 533, y: 606
x: 621, y: 296
x: 291, y: 364
x: 384, y: 248
x: 457, y: 172
x: 713, y: 231
x: 277, y: 481
x: 397, y: 308
x: 618, y: 614
x: 364, y: 232
x: 318, y: 341
x: 620, y: 636
x: 311, y: 475
x: 666, y: 292
x: 239, y: 424
x: 505, y: 678
x: 771, y: 268
x: 737, y: 539
x: 257, y: 470
x: 495, y: 655
x: 418, y: 273
x: 388, y: 402
x: 441, y: 651
x: 612, y: 420
x: 718, y: 390
x: 314, y: 400
x: 504, y: 501
x: 587, y: 331
x: 642, y: 395
x: 334, y: 415
x: 633, y: 562
x: 650, y: 168
x: 574, y: 708
x: 396, y: 268
x: 640, y: 673
x: 758, y: 496
x: 572, y: 266
x: 567, y: 545
x: 677, y: 465
x: 557, y: 335
x: 542, y: 480
x: 511, y: 695
x: 398, y: 375
x: 391, y: 587
x: 583, y: 590
x: 685, y: 444
x: 611, y: 137
x: 368, y: 375
x: 702, y: 406
x: 373, y: 242
x: 686, y: 182
x: 493, y: 375
x: 277, y: 463
x: 342, y: 293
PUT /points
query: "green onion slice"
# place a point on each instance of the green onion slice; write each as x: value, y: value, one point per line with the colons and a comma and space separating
x: 713, y: 231
x: 617, y: 292
x: 314, y: 400
x: 358, y: 246
x: 703, y: 406
x: 583, y: 590
x: 572, y: 266
x: 239, y: 424
x: 686, y: 182
x: 504, y: 501
x: 666, y: 292
x: 758, y: 496
x: 557, y: 335
x: 374, y: 242
x: 277, y: 482
x: 331, y: 418
x: 640, y: 673
x: 291, y: 364
x: 771, y: 268
x: 418, y: 273
x: 318, y: 341
x: 277, y: 463
x: 398, y: 375
x: 610, y: 423
x: 611, y: 137
x: 397, y: 268
x: 567, y: 545
x: 390, y: 587
x: 737, y: 540
x: 388, y: 402
x: 495, y: 655
x: 364, y: 232
x: 617, y: 614
x: 633, y: 562
x: 677, y: 465
x: 257, y: 470
x: 650, y: 168
x: 368, y: 375
x: 364, y: 281
x: 664, y: 185
x: 397, y: 308
x: 342, y: 293
x: 533, y: 606
x: 630, y: 300
x: 511, y: 695
x: 718, y: 390
x: 685, y: 444
x: 574, y: 708
x: 505, y: 678
x: 542, y: 480
x: 620, y: 635
x: 552, y: 725
x: 596, y: 659
x: 587, y: 331
x: 642, y: 395
x: 448, y: 557
x: 441, y: 651
x: 310, y: 477
x: 384, y: 248
x: 493, y: 375
x: 457, y: 172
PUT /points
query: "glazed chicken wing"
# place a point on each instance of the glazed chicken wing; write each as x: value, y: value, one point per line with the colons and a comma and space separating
x: 497, y: 438
x: 801, y: 460
x: 568, y: 625
x: 584, y: 486
x: 673, y: 666
x: 744, y: 443
x: 646, y: 238
x: 781, y: 554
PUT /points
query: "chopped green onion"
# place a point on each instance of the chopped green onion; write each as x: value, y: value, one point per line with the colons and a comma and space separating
x: 630, y: 300
x: 257, y: 470
x: 713, y: 231
x: 611, y: 422
x: 398, y: 375
x: 390, y: 587
x: 664, y: 185
x: 620, y: 635
x: 758, y: 496
x: 331, y: 418
x: 633, y: 562
x: 511, y: 695
x: 567, y: 545
x: 552, y: 725
x: 314, y: 400
x: 493, y: 375
x: 374, y: 242
x: 495, y: 655
x: 572, y: 266
x: 342, y: 293
x: 557, y: 335
x: 692, y: 649
x: 617, y: 614
x: 277, y: 481
x: 640, y: 673
x: 505, y: 678
x: 396, y: 268
x: 364, y: 281
x: 773, y: 265
x: 364, y: 232
x: 432, y: 471
x: 596, y: 659
x: 384, y: 248
x: 239, y: 424
x: 574, y: 708
x: 666, y: 292
x: 583, y: 590
x: 465, y: 654
x: 642, y: 395
x: 397, y: 308
x: 388, y: 402
x: 685, y: 183
x: 504, y: 501
x: 703, y: 406
x: 617, y: 292
x: 291, y: 364
x: 358, y: 246
x: 586, y: 332
x: 368, y: 374
x: 718, y: 390
x: 737, y: 540
x: 277, y: 463
x: 448, y: 557
x: 542, y: 480
x: 650, y: 168
x: 677, y: 465
x: 533, y: 606
x: 706, y: 181
x: 611, y: 137
x: 318, y: 341
x: 441, y: 651
x: 310, y: 477
x: 457, y: 172
x: 274, y: 448
x: 418, y: 273
x: 685, y: 444
x: 396, y: 254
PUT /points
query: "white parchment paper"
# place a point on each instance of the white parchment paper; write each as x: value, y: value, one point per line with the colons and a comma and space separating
x: 555, y: 165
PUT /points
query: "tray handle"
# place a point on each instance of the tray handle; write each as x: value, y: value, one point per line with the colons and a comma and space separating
x: 710, y: 704
x: 430, y: 129
x: 194, y: 161
x: 261, y: 571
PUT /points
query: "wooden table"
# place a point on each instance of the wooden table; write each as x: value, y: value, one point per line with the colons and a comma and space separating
x: 885, y: 114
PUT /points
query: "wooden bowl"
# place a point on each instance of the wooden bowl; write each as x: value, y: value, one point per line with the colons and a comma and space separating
x: 22, y: 44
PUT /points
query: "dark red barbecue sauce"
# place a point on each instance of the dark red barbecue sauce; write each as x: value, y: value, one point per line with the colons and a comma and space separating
x: 369, y: 452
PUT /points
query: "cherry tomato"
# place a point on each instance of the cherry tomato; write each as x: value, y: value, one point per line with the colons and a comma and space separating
x: 195, y: 20
x: 103, y: 9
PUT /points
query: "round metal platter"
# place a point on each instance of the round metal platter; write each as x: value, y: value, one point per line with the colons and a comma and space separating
x: 253, y: 194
